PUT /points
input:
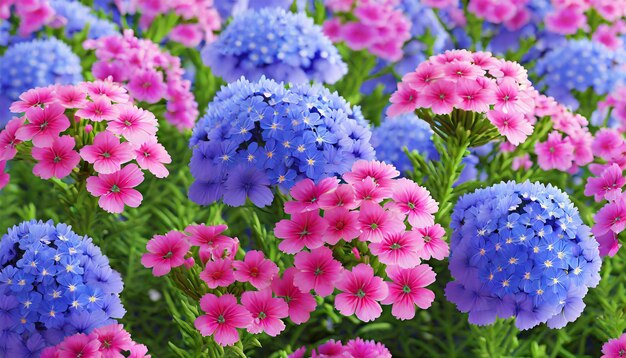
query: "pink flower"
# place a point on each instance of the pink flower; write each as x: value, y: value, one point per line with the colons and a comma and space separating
x: 509, y: 98
x: 407, y: 290
x: 151, y: 155
x: 512, y: 125
x: 608, y: 186
x: 609, y: 244
x: 441, y: 97
x: 342, y: 197
x: 404, y: 100
x: 425, y: 74
x: 307, y: 194
x: 301, y: 304
x: 342, y: 224
x: 56, y: 161
x: 358, y: 36
x: 78, y: 345
x: 381, y: 172
x: 398, y: 248
x: 555, y: 153
x: 566, y: 21
x: 189, y: 35
x: 106, y: 153
x: 330, y: 349
x: 8, y: 141
x: 256, y: 269
x: 36, y: 97
x: 71, y: 96
x: 147, y: 86
x: 582, y: 141
x: 98, y: 110
x: 4, y: 177
x: 360, y: 292
x: 218, y: 273
x: 414, y: 201
x: 368, y: 191
x: 432, y: 243
x: 474, y: 97
x: 165, y: 252
x: 211, y: 236
x: 107, y: 89
x: 615, y: 348
x: 317, y: 270
x: 358, y: 348
x: 611, y: 218
x: 134, y: 124
x: 522, y: 162
x: 458, y: 70
x: 138, y: 351
x: 113, y: 339
x: 608, y: 36
x: 223, y: 317
x: 375, y: 222
x: 116, y: 190
x: 332, y: 29
x: 608, y: 144
x: 44, y: 125
x: 303, y: 230
x: 266, y: 312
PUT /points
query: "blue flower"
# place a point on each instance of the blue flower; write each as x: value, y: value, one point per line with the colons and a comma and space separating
x: 37, y: 63
x: 53, y: 283
x: 78, y: 16
x: 228, y: 8
x: 520, y: 255
x: 277, y: 44
x: 260, y: 135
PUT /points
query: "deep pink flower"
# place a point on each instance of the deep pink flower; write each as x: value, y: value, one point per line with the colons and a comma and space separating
x: 107, y: 89
x: 581, y: 141
x: 189, y: 35
x: 342, y: 225
x: 407, y: 290
x: 414, y: 201
x: 317, y: 270
x: 381, y: 172
x: 608, y: 36
x: 425, y: 74
x: 36, y: 97
x: 116, y: 190
x: 332, y: 29
x: 106, y: 153
x: 512, y: 125
x: 555, y: 153
x: 404, y: 100
x: 608, y: 186
x: 147, y: 86
x: 99, y: 110
x: 256, y: 269
x: 474, y: 97
x: 611, y: 218
x: 441, y: 97
x: 71, y: 96
x: 134, y: 124
x: 8, y: 141
x: 342, y: 197
x: 113, y: 339
x: 609, y: 244
x: 375, y: 222
x: 151, y: 155
x: 303, y: 230
x: 56, y: 161
x: 522, y: 162
x: 211, y: 236
x: 358, y: 36
x: 368, y: 191
x: 78, y: 345
x: 398, y: 248
x: 138, y: 351
x: 44, y: 125
x: 223, y: 317
x: 431, y: 243
x: 330, y: 349
x: 608, y: 144
x: 4, y: 177
x: 566, y: 21
x: 218, y: 273
x: 306, y: 194
x: 615, y: 348
x: 509, y: 97
x: 301, y: 304
x: 458, y: 70
x: 358, y: 348
x: 361, y: 291
x: 266, y: 312
x: 165, y: 252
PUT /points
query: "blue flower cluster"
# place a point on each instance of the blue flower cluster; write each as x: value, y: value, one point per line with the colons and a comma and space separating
x: 277, y: 44
x: 580, y: 65
x: 257, y: 135
x: 78, y: 16
x: 521, y: 250
x: 36, y: 63
x: 53, y: 283
x: 228, y: 8
x: 390, y: 138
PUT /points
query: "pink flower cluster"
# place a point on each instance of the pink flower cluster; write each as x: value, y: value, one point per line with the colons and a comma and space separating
x: 149, y: 74
x: 615, y: 348
x: 102, y: 342
x: 33, y: 14
x: 513, y: 14
x: 198, y: 18
x: 92, y: 121
x: 344, y: 236
x: 569, y: 16
x: 471, y: 81
x: 373, y: 25
x: 354, y: 348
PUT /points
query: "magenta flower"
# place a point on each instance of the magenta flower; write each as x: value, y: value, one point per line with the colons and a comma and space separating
x: 165, y: 252
x: 342, y: 224
x: 512, y: 125
x: 358, y: 36
x: 403, y: 101
x: 361, y: 291
x: 608, y: 144
x: 147, y: 86
x: 113, y: 339
x: 407, y: 290
x: 8, y: 140
x: 431, y: 243
x: 398, y: 248
x: 459, y: 71
x: 4, y: 177
x: 218, y: 273
x: 303, y: 230
x: 414, y: 201
x: 44, y: 125
x: 307, y: 195
x: 615, y: 348
x: 223, y: 317
x: 151, y: 155
x: 342, y: 197
x: 34, y: 98
x: 358, y: 348
x: 56, y: 161
x: 368, y: 190
x: 78, y: 345
x: 211, y: 236
x: 474, y: 96
x: 134, y: 124
x: 99, y: 110
x: 555, y: 153
x: 609, y: 244
x: 440, y: 96
x: 106, y: 153
x: 71, y: 96
x: 116, y: 190
x: 509, y: 98
x: 425, y: 74
x: 375, y: 222
x: 382, y: 173
x: 300, y: 303
x: 317, y: 270
x: 611, y: 218
x: 256, y: 269
x: 608, y: 186
x: 266, y: 312
x: 106, y: 89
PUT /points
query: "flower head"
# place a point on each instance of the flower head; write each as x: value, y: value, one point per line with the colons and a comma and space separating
x: 166, y: 252
x: 256, y: 269
x: 615, y: 348
x: 266, y: 312
x: 317, y: 270
x: 361, y: 291
x: 117, y: 190
x: 300, y: 303
x: 56, y: 161
x: 407, y: 290
x: 106, y: 153
x: 223, y: 317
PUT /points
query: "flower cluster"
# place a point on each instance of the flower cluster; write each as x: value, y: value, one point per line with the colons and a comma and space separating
x: 33, y: 14
x: 353, y: 348
x: 474, y: 82
x: 149, y: 73
x: 377, y: 26
x: 106, y: 131
x: 349, y: 237
x: 260, y: 135
x: 580, y: 65
x: 568, y: 17
x: 74, y: 17
x: 53, y: 283
x: 614, y: 348
x: 36, y: 63
x: 228, y: 8
x: 277, y: 44
x: 107, y: 341
x: 521, y: 250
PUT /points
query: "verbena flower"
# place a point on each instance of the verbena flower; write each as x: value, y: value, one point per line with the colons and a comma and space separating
x: 522, y: 251
x: 32, y: 15
x: 614, y: 348
x: 53, y: 283
x: 277, y: 44
x: 36, y: 63
x: 260, y: 135
x: 74, y: 17
x: 353, y: 348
